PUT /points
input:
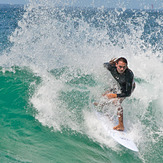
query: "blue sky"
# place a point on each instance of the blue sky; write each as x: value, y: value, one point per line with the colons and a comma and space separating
x: 145, y: 4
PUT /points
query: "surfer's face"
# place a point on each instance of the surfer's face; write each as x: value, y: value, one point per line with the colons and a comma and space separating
x: 121, y: 67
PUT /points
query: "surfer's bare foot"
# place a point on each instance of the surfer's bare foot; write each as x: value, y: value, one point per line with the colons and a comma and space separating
x: 118, y: 128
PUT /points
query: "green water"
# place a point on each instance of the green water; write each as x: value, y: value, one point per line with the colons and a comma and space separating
x: 25, y: 139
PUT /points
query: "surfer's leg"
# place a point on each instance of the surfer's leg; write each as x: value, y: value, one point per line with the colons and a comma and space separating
x: 120, y: 126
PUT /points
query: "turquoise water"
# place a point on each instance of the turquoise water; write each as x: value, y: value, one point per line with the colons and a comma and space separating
x: 24, y: 139
x: 51, y: 71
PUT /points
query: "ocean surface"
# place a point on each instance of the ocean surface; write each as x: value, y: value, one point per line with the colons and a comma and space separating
x: 51, y: 72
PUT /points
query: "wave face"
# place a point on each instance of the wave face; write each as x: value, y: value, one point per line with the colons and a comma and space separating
x: 52, y: 71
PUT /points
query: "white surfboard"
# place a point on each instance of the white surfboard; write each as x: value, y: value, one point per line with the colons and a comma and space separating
x: 119, y: 136
x: 122, y: 138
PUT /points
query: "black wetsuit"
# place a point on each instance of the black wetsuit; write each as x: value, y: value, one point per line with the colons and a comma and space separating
x: 125, y: 79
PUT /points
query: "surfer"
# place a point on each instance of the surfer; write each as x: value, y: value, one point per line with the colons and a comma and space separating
x: 125, y: 78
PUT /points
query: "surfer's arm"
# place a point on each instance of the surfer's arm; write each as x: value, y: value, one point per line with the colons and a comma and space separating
x: 120, y: 95
x: 124, y: 94
x: 111, y: 95
x: 109, y: 66
x: 127, y: 92
x: 126, y: 89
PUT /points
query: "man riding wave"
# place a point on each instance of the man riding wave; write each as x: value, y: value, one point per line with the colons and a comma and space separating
x: 125, y: 78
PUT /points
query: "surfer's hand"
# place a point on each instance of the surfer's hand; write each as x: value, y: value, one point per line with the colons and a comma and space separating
x: 112, y: 61
x: 111, y: 95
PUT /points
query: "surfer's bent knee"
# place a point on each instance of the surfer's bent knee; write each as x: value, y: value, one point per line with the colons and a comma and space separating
x: 120, y: 111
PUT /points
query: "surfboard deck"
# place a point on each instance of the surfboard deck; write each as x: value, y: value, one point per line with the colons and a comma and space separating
x: 120, y: 137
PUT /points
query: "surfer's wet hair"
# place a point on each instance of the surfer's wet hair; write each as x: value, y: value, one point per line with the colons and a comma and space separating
x: 121, y: 59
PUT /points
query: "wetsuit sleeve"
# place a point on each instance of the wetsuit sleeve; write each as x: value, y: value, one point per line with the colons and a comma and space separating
x: 127, y: 92
x: 127, y: 89
x: 108, y: 66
